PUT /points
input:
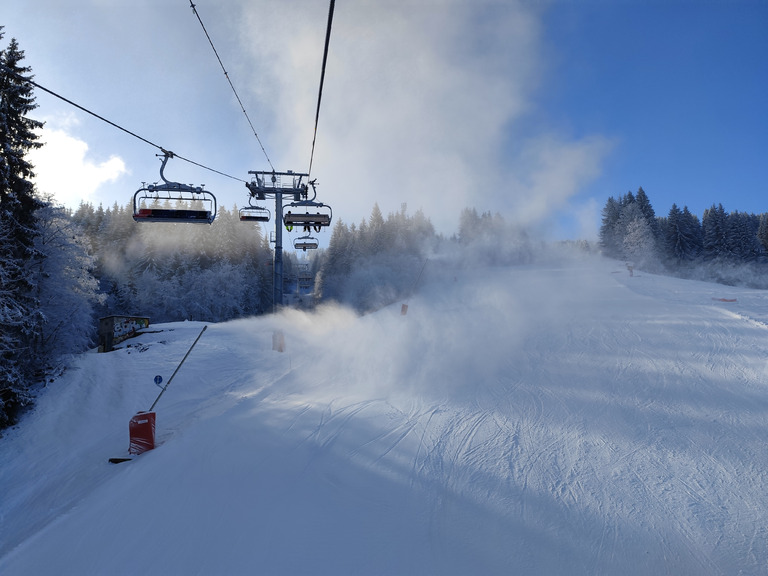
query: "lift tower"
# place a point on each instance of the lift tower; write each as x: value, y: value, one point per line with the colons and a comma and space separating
x: 275, y: 185
x: 293, y: 185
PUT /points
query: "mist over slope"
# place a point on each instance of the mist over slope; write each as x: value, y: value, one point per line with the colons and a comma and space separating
x: 559, y: 417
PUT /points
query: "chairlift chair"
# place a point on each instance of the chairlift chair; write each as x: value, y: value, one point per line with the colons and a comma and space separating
x: 305, y: 243
x: 173, y: 202
x: 254, y: 214
x: 320, y: 217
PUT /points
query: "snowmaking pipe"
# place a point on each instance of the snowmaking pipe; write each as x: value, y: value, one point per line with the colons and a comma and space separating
x: 177, y: 369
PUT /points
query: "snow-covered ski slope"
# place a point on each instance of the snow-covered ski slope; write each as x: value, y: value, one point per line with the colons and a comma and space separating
x: 559, y: 418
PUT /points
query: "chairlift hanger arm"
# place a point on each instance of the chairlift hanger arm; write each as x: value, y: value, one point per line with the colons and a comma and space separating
x: 168, y: 185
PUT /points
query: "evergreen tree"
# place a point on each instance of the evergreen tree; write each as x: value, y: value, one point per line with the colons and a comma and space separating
x: 370, y: 265
x: 610, y: 241
x: 18, y: 203
x: 266, y: 279
x: 762, y: 231
x: 17, y: 195
x: 693, y: 233
x: 741, y: 239
x: 469, y: 225
x: 337, y: 263
x: 376, y: 221
x: 671, y: 227
x: 67, y: 290
x: 13, y: 388
x: 682, y: 235
x: 713, y: 226
x: 644, y: 203
x: 638, y: 241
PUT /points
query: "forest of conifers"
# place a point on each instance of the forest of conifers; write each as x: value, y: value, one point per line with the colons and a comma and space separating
x: 173, y: 272
x: 730, y: 248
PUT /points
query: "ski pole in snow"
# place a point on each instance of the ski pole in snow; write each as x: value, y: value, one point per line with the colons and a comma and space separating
x: 177, y: 369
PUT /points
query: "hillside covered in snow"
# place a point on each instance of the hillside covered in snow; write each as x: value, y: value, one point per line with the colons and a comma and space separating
x: 556, y: 418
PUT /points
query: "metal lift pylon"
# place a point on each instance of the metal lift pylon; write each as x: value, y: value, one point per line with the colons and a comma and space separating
x: 267, y: 184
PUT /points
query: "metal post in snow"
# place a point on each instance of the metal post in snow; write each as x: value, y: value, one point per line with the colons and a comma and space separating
x: 177, y: 369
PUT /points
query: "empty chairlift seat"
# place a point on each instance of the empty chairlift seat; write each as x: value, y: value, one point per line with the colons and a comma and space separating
x: 254, y: 214
x: 173, y: 202
x: 305, y: 243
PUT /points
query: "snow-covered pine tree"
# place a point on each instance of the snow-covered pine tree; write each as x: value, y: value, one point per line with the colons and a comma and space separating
x: 741, y: 236
x: 469, y: 225
x: 336, y: 263
x: 112, y: 241
x: 610, y: 242
x: 375, y: 238
x: 638, y: 239
x: 67, y: 290
x: 682, y: 235
x: 20, y: 314
x: 713, y: 225
x: 13, y: 389
x: 264, y: 261
x: 644, y: 203
x: 762, y: 231
x: 671, y: 229
x: 693, y: 233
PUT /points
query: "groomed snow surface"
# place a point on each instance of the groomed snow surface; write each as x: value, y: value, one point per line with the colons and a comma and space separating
x: 560, y: 418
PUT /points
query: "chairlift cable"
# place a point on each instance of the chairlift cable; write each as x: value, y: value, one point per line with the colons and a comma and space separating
x: 322, y: 80
x: 68, y: 101
x: 60, y: 97
x: 226, y: 74
x: 209, y: 169
x: 416, y: 282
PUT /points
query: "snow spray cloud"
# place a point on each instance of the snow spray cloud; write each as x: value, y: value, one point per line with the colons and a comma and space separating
x: 462, y: 326
x: 420, y: 103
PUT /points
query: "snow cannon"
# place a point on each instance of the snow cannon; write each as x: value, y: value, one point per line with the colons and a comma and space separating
x: 141, y: 427
x: 141, y: 430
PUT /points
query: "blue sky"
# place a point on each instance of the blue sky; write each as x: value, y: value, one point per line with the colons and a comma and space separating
x: 537, y: 110
x: 680, y: 86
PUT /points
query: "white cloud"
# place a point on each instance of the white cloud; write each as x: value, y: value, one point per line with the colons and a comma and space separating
x: 64, y: 170
x: 587, y: 216
x: 416, y: 99
x: 552, y: 170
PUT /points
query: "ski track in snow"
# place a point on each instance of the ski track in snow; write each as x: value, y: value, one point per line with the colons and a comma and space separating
x: 544, y: 420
